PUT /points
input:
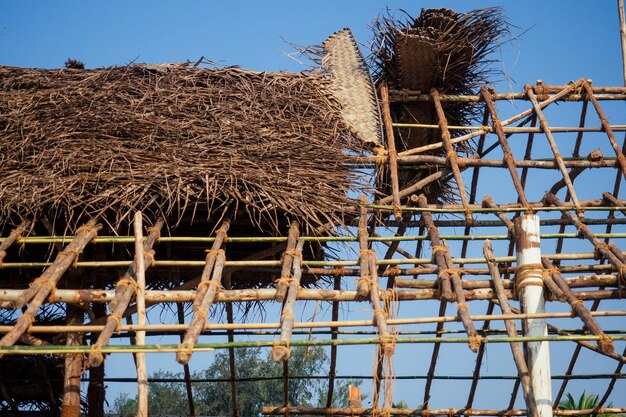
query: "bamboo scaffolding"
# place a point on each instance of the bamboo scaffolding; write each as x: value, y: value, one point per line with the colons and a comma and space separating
x: 559, y: 95
x: 207, y: 347
x: 621, y: 159
x: 451, y: 156
x: 14, y: 236
x: 281, y: 351
x: 518, y: 355
x: 200, y: 318
x: 510, y: 162
x: 288, y: 259
x: 124, y: 291
x: 392, y: 153
x: 89, y: 328
x: 140, y: 277
x: 545, y: 128
x: 363, y: 285
x: 604, y: 343
x: 482, y: 130
x: 353, y: 411
x: 43, y: 286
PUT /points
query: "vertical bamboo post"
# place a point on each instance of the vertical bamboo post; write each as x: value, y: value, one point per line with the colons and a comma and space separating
x: 142, y: 375
x: 529, y: 284
x: 391, y: 151
x: 73, y: 367
x: 518, y: 356
x: 363, y: 285
x: 622, y: 32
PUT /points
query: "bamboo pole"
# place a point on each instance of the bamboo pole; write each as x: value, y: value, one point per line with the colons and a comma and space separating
x: 545, y: 127
x: 610, y: 198
x: 518, y: 356
x: 207, y: 347
x: 73, y: 367
x: 333, y: 349
x: 529, y: 284
x: 87, y: 328
x: 595, y: 155
x: 451, y: 156
x: 392, y: 154
x: 180, y: 312
x: 419, y: 185
x: 288, y: 259
x: 220, y: 238
x: 200, y: 318
x: 140, y: 277
x: 621, y: 159
x: 354, y: 411
x: 604, y: 343
x: 564, y: 92
x: 281, y: 351
x: 43, y: 286
x: 125, y: 289
x: 14, y: 236
x: 481, y: 130
x: 363, y: 285
x: 438, y: 257
x: 622, y: 32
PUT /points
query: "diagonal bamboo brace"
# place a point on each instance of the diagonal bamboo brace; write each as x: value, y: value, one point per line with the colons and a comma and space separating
x: 288, y: 260
x: 13, y: 237
x: 578, y: 307
x: 281, y: 351
x: 125, y: 290
x: 516, y: 350
x: 200, y: 318
x: 363, y: 285
x: 43, y: 286
x: 443, y: 276
x: 211, y: 257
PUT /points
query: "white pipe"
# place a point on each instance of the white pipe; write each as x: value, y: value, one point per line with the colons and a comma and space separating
x: 528, y: 252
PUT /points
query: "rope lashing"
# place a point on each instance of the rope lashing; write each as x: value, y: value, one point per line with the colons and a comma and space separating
x: 118, y: 320
x: 87, y: 229
x: 528, y: 275
x: 74, y: 253
x: 128, y: 282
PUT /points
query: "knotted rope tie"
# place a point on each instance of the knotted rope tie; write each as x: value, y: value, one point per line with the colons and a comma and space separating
x: 185, y: 348
x: 41, y: 282
x: 440, y: 248
x: 287, y: 314
x: 118, y: 321
x: 2, y: 255
x: 380, y: 155
x: 288, y: 280
x: 599, y: 247
x: 451, y: 155
x: 209, y: 283
x: 621, y: 280
x: 574, y: 304
x: 128, y: 282
x: 214, y: 252
x: 367, y: 252
x: 605, y: 342
x: 445, y: 271
x: 95, y: 350
x: 156, y: 231
x: 388, y: 344
x: 404, y: 95
x: 461, y: 306
x: 150, y: 256
x: 279, y: 346
x: 74, y: 253
x: 203, y: 315
x: 88, y: 229
x: 366, y: 280
x: 525, y: 271
x: 294, y: 253
x: 474, y: 342
x: 29, y: 318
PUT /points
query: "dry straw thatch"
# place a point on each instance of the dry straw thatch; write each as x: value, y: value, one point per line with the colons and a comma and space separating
x: 172, y: 140
x: 440, y: 49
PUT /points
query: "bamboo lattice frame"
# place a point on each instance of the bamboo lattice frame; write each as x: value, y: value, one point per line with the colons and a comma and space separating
x: 595, y: 274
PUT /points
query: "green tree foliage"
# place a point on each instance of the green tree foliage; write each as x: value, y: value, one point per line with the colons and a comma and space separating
x: 214, y: 398
x: 584, y: 402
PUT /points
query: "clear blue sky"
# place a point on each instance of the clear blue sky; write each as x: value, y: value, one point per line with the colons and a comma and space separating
x: 558, y: 41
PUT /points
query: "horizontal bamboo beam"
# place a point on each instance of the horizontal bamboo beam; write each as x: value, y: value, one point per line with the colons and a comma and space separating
x: 270, y: 263
x: 418, y: 160
x: 88, y: 328
x: 513, y: 130
x: 274, y: 239
x: 206, y: 347
x: 352, y: 411
x: 265, y: 294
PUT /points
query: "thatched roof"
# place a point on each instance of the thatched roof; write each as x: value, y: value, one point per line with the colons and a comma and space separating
x: 441, y: 49
x: 170, y: 140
